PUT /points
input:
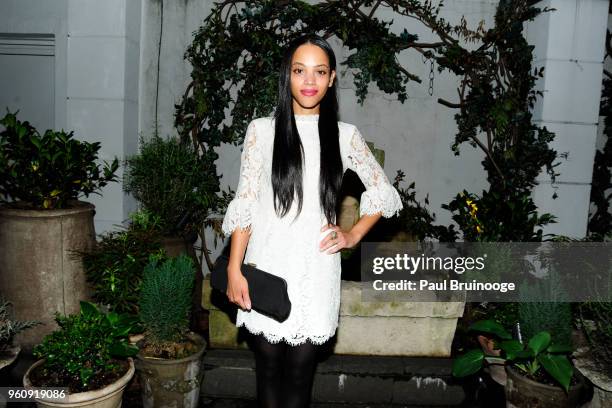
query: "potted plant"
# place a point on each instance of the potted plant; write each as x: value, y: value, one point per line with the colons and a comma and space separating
x: 178, y: 186
x: 42, y: 177
x: 8, y: 329
x: 89, y: 356
x: 538, y: 373
x: 169, y: 361
x: 114, y: 266
x: 175, y: 185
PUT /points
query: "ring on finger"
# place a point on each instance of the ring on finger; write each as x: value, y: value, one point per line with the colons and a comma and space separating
x: 334, y: 235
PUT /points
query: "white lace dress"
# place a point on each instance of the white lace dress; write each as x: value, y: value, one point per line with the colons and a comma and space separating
x: 290, y: 248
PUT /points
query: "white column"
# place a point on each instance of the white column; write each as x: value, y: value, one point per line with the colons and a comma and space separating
x: 569, y: 44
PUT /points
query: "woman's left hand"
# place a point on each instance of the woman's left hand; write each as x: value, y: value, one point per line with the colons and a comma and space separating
x: 337, y: 239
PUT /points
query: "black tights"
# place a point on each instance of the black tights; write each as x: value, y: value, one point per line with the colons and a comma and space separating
x: 284, y: 373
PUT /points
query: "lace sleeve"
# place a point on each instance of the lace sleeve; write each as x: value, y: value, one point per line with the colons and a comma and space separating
x: 241, y: 209
x: 380, y: 196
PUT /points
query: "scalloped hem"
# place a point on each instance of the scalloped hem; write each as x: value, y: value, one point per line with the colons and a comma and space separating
x: 274, y: 339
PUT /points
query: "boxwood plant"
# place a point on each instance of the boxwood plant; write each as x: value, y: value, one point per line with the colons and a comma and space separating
x: 86, y: 350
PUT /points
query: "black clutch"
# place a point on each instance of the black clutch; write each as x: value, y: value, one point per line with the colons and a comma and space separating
x: 268, y: 292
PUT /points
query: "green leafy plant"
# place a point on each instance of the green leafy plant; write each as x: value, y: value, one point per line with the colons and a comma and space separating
x: 48, y: 171
x: 114, y: 267
x: 86, y: 346
x: 172, y: 183
x: 9, y: 327
x: 165, y: 299
x: 415, y: 218
x: 538, y: 354
x: 495, y: 217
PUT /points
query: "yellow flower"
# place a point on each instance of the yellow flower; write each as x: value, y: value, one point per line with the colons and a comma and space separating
x: 478, y: 229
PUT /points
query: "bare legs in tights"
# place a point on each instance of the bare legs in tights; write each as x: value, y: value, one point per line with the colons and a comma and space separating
x: 284, y: 373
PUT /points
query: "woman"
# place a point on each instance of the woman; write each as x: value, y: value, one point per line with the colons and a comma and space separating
x: 285, y: 210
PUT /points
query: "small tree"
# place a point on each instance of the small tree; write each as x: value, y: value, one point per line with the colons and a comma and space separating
x: 165, y: 301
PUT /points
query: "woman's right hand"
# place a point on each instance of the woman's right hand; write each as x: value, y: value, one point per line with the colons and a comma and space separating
x: 238, y: 289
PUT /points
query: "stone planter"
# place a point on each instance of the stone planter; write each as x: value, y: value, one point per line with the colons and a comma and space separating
x: 171, y: 383
x: 522, y: 392
x: 107, y: 397
x: 38, y: 268
x: 8, y: 356
x: 372, y: 328
x: 602, y: 381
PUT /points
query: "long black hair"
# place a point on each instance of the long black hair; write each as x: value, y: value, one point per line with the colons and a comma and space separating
x: 287, y: 158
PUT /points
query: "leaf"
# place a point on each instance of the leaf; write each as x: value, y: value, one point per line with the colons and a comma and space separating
x: 522, y: 355
x: 88, y: 309
x: 491, y: 326
x: 559, y: 349
x: 559, y: 367
x: 539, y: 342
x: 469, y: 363
x: 511, y: 346
x: 112, y: 318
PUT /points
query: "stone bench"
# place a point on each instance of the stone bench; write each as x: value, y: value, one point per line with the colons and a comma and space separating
x: 415, y: 329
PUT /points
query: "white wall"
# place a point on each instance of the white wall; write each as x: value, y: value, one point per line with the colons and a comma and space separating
x: 180, y: 19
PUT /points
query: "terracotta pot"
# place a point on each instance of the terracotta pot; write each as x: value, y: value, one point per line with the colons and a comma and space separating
x: 170, y: 383
x: 107, y: 397
x: 522, y: 392
x: 488, y: 345
x: 38, y: 268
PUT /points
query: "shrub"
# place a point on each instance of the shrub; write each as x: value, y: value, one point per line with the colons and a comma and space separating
x: 172, y: 182
x: 84, y: 347
x: 115, y: 266
x: 165, y: 299
x: 48, y: 171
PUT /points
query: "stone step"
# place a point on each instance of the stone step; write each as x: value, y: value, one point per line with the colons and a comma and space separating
x: 344, y: 379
